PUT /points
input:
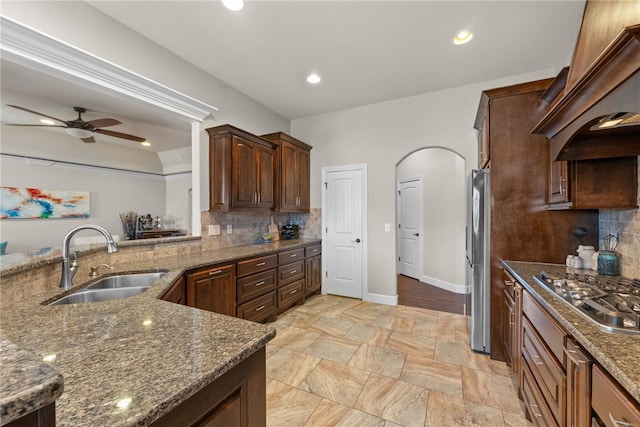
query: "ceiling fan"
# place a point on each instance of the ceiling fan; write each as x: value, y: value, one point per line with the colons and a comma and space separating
x: 81, y: 129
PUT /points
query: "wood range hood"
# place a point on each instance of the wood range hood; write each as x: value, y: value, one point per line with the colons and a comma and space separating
x: 598, y: 115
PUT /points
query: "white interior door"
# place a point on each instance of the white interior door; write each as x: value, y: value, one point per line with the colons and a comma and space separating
x: 344, y: 223
x: 409, y: 203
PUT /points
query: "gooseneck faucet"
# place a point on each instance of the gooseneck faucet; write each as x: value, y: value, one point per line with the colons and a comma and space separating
x: 66, y: 280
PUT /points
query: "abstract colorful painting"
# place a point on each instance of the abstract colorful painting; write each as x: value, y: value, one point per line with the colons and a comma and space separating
x: 18, y: 202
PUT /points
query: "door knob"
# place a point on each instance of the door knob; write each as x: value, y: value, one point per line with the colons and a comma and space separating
x: 416, y: 234
x: 356, y: 241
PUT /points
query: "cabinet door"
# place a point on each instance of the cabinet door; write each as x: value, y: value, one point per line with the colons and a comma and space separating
x: 213, y: 289
x: 289, y: 174
x: 508, y: 327
x: 304, y: 166
x: 483, y: 144
x: 578, y: 385
x: 177, y: 293
x: 559, y: 182
x: 244, y: 191
x: 265, y: 161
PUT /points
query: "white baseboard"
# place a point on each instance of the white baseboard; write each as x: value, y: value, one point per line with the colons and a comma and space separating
x: 451, y: 287
x: 381, y: 299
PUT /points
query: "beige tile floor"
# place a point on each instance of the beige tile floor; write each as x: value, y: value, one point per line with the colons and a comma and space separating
x: 343, y: 362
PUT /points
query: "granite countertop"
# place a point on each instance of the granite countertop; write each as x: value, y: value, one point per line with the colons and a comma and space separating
x: 153, y: 352
x: 616, y: 352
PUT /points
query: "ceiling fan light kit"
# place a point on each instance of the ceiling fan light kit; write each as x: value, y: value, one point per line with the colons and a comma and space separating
x: 78, y: 128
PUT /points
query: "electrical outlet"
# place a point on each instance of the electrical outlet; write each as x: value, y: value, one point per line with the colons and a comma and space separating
x: 214, y: 230
x: 387, y: 227
x: 229, y: 229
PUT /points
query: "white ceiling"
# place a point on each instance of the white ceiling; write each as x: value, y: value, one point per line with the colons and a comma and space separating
x: 366, y: 52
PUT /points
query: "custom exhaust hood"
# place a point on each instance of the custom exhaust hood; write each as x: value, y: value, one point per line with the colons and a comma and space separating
x: 599, y: 114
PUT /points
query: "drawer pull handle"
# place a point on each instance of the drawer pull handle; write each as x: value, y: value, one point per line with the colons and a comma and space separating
x: 534, y: 406
x: 293, y: 292
x: 260, y: 283
x: 293, y: 271
x: 619, y: 423
x: 293, y: 255
x: 508, y: 283
x: 534, y: 357
x: 211, y: 273
x: 260, y: 264
x: 570, y: 355
x: 260, y: 308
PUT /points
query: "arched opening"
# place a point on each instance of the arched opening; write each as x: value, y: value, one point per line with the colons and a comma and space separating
x: 430, y: 226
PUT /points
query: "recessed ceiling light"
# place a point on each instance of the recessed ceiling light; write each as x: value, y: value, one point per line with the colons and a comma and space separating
x: 233, y: 4
x: 313, y: 78
x: 146, y: 144
x: 47, y: 122
x: 463, y: 37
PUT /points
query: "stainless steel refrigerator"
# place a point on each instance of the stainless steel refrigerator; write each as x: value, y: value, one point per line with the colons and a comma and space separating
x: 477, y: 276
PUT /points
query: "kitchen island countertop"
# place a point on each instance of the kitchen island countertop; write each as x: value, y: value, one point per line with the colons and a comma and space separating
x: 616, y: 352
x: 153, y: 352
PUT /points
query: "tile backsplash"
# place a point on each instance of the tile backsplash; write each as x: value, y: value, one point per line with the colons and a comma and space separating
x: 626, y: 223
x: 246, y: 225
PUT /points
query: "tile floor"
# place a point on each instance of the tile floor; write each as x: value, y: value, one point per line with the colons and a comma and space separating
x: 343, y: 362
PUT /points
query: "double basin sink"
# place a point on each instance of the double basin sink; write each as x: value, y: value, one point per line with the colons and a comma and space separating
x: 112, y: 287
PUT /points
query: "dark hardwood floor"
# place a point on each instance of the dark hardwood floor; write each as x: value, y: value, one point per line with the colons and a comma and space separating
x: 414, y: 293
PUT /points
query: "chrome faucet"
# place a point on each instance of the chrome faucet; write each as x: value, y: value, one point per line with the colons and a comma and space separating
x: 66, y: 280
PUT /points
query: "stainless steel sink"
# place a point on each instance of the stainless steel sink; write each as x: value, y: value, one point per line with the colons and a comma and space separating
x: 127, y: 280
x: 96, y: 295
x: 112, y: 287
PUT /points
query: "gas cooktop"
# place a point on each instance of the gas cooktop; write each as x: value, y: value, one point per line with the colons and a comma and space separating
x: 611, y: 302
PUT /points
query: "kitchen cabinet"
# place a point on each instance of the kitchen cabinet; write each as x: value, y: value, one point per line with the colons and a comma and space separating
x: 293, y: 176
x: 177, y: 293
x: 242, y: 170
x: 312, y: 269
x: 612, y: 405
x: 594, y: 184
x: 291, y: 279
x: 236, y: 399
x: 43, y: 417
x: 542, y: 360
x: 483, y: 143
x: 513, y: 326
x: 521, y: 225
x: 213, y: 289
x: 579, y: 364
x: 256, y: 287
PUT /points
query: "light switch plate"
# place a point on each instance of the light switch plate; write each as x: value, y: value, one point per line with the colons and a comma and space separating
x: 214, y: 230
x: 229, y: 229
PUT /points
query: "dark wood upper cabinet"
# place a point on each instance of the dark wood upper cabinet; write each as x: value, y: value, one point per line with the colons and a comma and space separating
x: 293, y: 175
x: 242, y: 170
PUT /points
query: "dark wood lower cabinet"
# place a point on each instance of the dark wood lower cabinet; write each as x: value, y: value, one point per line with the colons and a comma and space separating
x: 43, y: 417
x: 177, y: 293
x: 213, y: 289
x: 578, y: 385
x: 236, y: 399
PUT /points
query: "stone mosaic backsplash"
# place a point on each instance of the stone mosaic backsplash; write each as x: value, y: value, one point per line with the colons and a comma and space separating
x: 627, y: 224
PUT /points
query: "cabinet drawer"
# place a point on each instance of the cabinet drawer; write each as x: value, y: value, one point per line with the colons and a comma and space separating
x: 552, y: 333
x: 258, y: 309
x: 535, y: 403
x: 291, y: 272
x: 255, y: 265
x: 612, y: 404
x: 314, y: 250
x: 255, y: 285
x: 546, y: 370
x: 290, y: 294
x: 290, y: 256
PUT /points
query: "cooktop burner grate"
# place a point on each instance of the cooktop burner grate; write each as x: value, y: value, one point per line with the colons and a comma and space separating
x: 611, y: 302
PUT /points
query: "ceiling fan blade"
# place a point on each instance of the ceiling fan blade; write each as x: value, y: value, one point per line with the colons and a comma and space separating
x: 35, y: 112
x: 103, y: 123
x: 120, y: 135
x: 90, y: 139
x: 42, y: 126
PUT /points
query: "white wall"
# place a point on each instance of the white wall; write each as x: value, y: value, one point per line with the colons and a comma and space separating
x: 111, y: 192
x: 444, y: 214
x: 177, y: 191
x: 380, y: 135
